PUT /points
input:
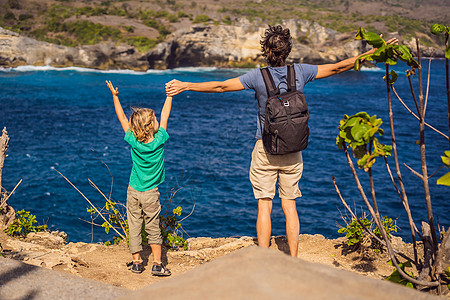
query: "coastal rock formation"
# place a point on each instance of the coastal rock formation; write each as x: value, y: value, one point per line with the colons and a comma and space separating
x: 237, y: 45
x: 16, y: 50
x: 204, y: 44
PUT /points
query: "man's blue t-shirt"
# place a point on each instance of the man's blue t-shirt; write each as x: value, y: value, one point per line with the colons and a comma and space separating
x: 304, y: 73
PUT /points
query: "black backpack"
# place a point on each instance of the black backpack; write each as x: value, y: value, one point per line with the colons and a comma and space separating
x: 286, y: 121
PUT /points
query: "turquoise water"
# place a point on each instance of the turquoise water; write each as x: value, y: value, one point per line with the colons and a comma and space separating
x: 64, y: 119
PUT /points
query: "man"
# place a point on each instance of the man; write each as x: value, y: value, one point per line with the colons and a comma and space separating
x: 265, y: 168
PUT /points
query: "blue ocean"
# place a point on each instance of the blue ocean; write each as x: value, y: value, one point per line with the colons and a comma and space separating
x: 64, y: 120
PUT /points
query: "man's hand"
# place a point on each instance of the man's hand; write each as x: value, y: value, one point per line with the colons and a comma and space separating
x: 174, y: 87
x: 393, y: 41
x: 114, y: 92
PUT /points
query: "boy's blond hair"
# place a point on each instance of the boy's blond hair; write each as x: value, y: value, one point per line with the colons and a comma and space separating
x: 142, y: 123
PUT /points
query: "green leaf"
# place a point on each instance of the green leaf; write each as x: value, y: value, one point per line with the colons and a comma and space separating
x: 374, y: 39
x: 392, y: 77
x: 360, y: 34
x: 447, y: 52
x: 363, y: 115
x: 413, y: 63
x: 380, y: 54
x: 403, y: 52
x: 446, y: 160
x: 390, y: 61
x: 437, y: 28
x: 351, y: 122
x: 444, y: 180
x: 359, y: 130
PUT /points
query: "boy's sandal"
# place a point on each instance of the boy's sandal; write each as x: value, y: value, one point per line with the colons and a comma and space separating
x: 160, y: 270
x: 137, y: 267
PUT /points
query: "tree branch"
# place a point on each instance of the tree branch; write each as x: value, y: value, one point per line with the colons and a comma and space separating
x: 121, y: 235
x: 414, y: 115
x: 414, y: 172
x: 363, y: 226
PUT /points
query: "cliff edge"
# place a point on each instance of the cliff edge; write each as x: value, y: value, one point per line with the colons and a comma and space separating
x: 198, y: 45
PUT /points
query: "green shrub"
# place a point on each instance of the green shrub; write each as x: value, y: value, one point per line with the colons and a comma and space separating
x: 354, y: 232
x: 172, y: 18
x: 227, y: 20
x: 201, y: 19
x: 170, y: 230
x: 182, y: 14
x: 14, y: 4
x: 88, y: 33
x: 24, y: 17
x: 397, y: 278
x: 357, y: 236
x: 163, y: 31
x: 59, y: 12
x: 169, y: 225
x: 151, y: 23
x: 143, y: 44
x: 9, y: 16
x: 91, y: 11
x: 23, y: 224
x: 129, y: 29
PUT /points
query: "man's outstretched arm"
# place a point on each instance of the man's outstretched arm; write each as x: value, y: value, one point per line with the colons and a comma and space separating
x: 174, y: 87
x: 344, y: 65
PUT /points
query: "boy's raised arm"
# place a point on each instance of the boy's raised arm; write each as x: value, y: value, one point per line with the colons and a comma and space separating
x: 165, y: 112
x: 119, y: 111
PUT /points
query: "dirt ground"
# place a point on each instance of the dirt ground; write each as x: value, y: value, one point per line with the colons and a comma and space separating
x: 109, y: 263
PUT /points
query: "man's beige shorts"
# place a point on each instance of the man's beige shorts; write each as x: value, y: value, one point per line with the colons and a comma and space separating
x: 266, y: 168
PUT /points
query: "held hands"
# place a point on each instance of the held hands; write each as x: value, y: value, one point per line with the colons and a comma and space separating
x: 174, y: 87
x: 114, y: 92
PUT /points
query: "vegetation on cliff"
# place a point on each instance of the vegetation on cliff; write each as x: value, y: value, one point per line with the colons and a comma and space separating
x: 145, y: 23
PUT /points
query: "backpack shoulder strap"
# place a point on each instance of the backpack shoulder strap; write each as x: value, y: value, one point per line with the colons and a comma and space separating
x: 291, y: 78
x: 268, y: 81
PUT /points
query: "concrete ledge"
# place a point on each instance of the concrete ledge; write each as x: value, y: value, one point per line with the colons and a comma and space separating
x: 22, y: 281
x: 256, y: 273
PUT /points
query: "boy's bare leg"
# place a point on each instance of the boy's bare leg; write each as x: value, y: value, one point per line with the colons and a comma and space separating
x: 156, y: 251
x: 263, y: 222
x: 292, y: 225
x: 136, y: 256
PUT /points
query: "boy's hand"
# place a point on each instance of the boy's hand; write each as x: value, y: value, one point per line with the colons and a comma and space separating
x: 114, y: 92
x: 174, y: 87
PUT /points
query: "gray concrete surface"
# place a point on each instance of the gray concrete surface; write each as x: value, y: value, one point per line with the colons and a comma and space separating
x: 249, y: 273
x: 21, y: 281
x: 256, y: 273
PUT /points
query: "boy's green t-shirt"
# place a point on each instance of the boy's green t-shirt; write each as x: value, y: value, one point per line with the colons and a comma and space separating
x: 148, y: 161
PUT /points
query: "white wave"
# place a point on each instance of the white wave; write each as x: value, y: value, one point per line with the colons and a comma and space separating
x: 30, y: 68
x: 371, y: 69
x: 195, y: 69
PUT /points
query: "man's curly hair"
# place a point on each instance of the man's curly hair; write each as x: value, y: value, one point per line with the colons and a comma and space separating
x: 276, y: 45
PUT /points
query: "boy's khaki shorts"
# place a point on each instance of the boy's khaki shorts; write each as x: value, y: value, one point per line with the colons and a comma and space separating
x: 143, y: 207
x: 266, y: 168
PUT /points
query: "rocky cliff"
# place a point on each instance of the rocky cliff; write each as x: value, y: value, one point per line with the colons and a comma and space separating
x: 16, y: 50
x: 198, y: 45
x: 222, y: 45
